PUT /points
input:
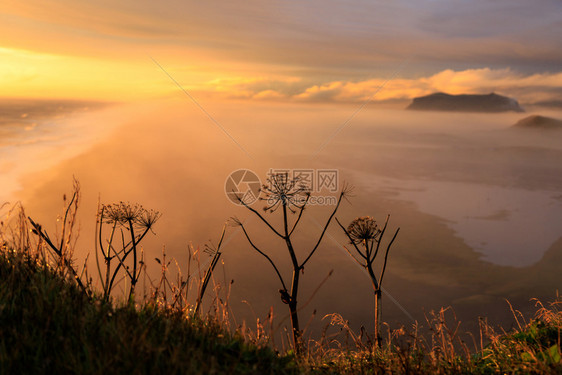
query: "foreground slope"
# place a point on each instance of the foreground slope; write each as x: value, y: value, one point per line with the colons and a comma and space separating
x: 47, y: 325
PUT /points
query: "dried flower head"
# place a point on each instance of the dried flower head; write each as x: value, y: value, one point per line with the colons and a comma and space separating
x: 210, y: 249
x: 147, y: 218
x: 363, y: 229
x: 113, y: 213
x: 234, y: 222
x: 281, y: 190
x: 125, y: 214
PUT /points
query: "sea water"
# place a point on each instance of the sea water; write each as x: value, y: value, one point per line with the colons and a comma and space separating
x: 498, y: 190
x: 36, y: 135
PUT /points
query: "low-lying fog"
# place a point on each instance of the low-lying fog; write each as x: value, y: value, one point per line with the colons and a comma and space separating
x: 479, y: 205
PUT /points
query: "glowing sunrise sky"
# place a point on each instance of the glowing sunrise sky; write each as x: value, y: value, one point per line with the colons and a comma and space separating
x: 306, y: 50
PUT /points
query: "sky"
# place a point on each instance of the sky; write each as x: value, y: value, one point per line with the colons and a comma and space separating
x: 309, y: 51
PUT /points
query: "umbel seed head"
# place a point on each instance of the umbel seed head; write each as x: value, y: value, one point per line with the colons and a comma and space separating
x: 125, y: 213
x: 284, y: 191
x: 363, y: 229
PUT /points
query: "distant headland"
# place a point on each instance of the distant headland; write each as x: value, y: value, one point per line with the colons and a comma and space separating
x: 538, y: 122
x: 489, y: 103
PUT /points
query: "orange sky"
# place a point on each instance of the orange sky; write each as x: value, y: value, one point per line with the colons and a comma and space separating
x: 280, y: 50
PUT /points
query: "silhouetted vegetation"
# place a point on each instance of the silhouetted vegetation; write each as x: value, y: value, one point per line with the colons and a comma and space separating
x: 292, y: 196
x: 49, y: 326
x: 128, y: 225
x: 53, y: 319
x: 366, y: 237
x: 216, y: 253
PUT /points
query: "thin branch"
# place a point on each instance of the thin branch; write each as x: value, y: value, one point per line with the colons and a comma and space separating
x: 67, y: 263
x: 386, y: 256
x: 355, y: 259
x: 65, y: 217
x: 265, y: 255
x: 324, y: 230
x: 209, y: 272
x: 353, y: 243
x: 206, y: 280
x: 287, y: 239
x: 134, y: 279
x: 110, y: 242
x: 125, y: 268
x: 380, y: 239
x: 98, y: 230
x: 259, y: 215
x: 44, y: 235
x: 300, y: 214
x: 121, y: 261
x: 100, y: 223
x: 222, y: 237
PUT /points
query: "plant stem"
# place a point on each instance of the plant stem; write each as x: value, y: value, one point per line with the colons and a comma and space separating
x: 294, y: 312
x: 134, y: 276
x: 378, y: 309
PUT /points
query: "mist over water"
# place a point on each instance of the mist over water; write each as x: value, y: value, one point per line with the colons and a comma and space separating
x: 36, y: 135
x: 470, y: 195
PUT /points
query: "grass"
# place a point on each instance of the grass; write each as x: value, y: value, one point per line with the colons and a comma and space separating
x: 48, y: 324
x: 532, y: 348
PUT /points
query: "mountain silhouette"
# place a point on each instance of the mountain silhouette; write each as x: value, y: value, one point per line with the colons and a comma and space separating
x: 465, y: 103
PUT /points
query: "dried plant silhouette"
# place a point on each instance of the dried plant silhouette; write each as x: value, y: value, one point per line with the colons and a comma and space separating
x: 40, y: 284
x: 128, y: 225
x: 63, y: 248
x: 366, y: 237
x: 292, y: 197
x: 216, y: 254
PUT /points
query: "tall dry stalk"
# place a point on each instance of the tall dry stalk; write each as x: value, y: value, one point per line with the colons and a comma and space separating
x: 216, y: 253
x: 291, y: 196
x: 63, y: 248
x: 128, y: 225
x: 366, y: 237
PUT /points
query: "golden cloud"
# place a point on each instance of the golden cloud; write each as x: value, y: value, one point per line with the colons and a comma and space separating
x: 526, y: 88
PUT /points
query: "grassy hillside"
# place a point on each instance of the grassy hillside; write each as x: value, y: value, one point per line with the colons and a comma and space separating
x: 53, y: 319
x: 47, y: 325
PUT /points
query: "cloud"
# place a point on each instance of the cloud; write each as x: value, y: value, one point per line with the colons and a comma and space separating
x: 326, y: 92
x: 330, y: 49
x: 484, y: 18
x: 269, y: 95
x: 345, y: 37
x: 526, y: 88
